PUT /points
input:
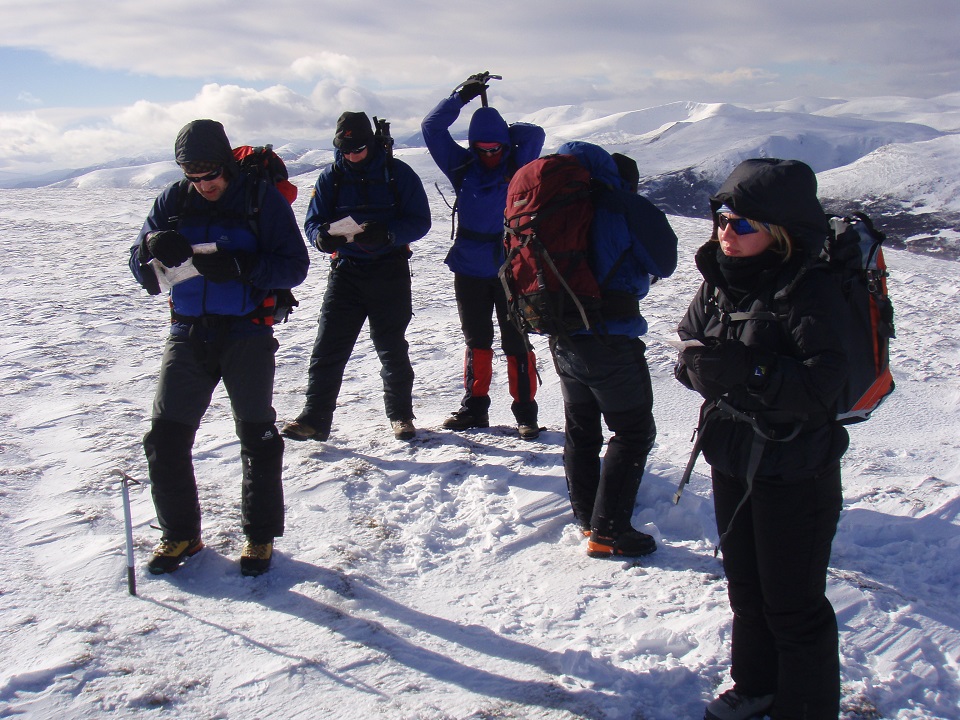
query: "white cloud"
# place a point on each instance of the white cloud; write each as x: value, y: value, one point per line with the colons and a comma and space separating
x: 310, y: 61
x: 874, y: 49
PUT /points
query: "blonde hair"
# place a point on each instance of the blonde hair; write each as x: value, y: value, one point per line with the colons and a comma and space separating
x: 782, y: 243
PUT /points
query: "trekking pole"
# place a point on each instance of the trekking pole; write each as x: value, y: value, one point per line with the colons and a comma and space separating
x: 125, y: 480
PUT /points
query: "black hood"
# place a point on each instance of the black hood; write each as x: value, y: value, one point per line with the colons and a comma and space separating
x: 204, y: 141
x: 779, y: 192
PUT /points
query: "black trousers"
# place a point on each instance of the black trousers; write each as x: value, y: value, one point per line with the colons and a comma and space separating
x: 479, y: 300
x: 191, y: 368
x: 785, y: 637
x: 357, y: 291
x: 604, y: 378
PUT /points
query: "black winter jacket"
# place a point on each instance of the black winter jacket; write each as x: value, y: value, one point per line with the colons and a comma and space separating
x: 807, y: 363
x: 807, y: 371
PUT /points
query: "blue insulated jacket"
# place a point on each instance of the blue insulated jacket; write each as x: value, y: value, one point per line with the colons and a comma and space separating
x: 481, y: 192
x: 281, y: 259
x: 381, y: 190
x: 624, y: 225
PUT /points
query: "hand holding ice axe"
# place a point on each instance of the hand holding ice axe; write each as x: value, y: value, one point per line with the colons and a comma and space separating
x: 475, y: 85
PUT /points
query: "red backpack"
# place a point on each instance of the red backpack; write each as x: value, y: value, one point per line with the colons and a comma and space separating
x: 550, y: 287
x: 263, y: 163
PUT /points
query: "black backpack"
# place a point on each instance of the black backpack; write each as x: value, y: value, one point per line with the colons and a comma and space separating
x: 854, y: 251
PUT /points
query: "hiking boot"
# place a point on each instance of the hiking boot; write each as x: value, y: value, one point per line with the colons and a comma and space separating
x: 403, y: 429
x: 300, y: 430
x: 528, y: 432
x: 733, y: 705
x: 255, y: 558
x: 631, y: 543
x: 169, y: 554
x: 464, y: 419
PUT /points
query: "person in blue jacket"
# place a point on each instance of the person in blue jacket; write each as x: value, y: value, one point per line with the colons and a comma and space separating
x: 369, y: 274
x: 480, y: 174
x: 221, y: 329
x: 603, y: 370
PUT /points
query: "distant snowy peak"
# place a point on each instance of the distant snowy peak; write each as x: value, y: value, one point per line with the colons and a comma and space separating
x: 925, y: 172
x: 893, y: 155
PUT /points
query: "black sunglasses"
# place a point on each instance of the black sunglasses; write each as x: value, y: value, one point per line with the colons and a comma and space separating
x: 489, y: 151
x: 355, y: 151
x: 212, y: 175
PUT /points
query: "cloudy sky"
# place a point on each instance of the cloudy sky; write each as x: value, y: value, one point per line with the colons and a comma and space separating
x: 80, y: 84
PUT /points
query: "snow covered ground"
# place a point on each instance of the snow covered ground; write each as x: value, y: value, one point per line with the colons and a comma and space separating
x: 437, y: 579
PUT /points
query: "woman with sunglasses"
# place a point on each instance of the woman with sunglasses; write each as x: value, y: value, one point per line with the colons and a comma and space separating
x: 765, y: 353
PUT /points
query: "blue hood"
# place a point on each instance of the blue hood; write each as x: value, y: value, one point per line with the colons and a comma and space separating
x: 594, y: 158
x: 487, y: 125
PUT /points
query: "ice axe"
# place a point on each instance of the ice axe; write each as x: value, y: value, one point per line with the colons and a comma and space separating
x: 483, y: 93
x: 125, y: 481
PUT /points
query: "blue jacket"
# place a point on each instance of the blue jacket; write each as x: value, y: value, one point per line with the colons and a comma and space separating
x: 281, y: 259
x: 481, y: 192
x: 625, y: 225
x: 392, y: 195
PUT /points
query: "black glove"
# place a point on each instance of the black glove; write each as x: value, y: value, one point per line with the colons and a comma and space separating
x: 168, y: 246
x: 329, y: 243
x: 726, y: 364
x: 472, y: 87
x: 374, y: 236
x: 223, y: 266
x: 148, y: 278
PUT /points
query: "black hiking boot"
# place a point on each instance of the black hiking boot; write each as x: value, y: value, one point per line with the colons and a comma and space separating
x: 528, y: 431
x: 464, y: 419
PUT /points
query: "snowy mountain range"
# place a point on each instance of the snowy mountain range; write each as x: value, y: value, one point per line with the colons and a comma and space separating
x: 894, y: 158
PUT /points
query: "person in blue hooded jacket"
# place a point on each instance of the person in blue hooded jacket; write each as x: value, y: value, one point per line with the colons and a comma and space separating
x: 221, y: 329
x: 369, y: 274
x: 480, y: 174
x: 603, y: 370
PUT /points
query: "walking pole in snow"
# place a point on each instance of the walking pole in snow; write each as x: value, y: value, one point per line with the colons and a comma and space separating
x: 125, y: 480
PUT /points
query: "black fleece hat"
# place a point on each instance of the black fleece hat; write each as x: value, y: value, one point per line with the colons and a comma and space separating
x: 627, y: 170
x: 202, y: 146
x: 353, y: 131
x: 780, y: 192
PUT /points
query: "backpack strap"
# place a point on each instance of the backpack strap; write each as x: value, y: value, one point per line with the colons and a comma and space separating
x: 457, y: 177
x: 389, y: 178
x: 712, y: 307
